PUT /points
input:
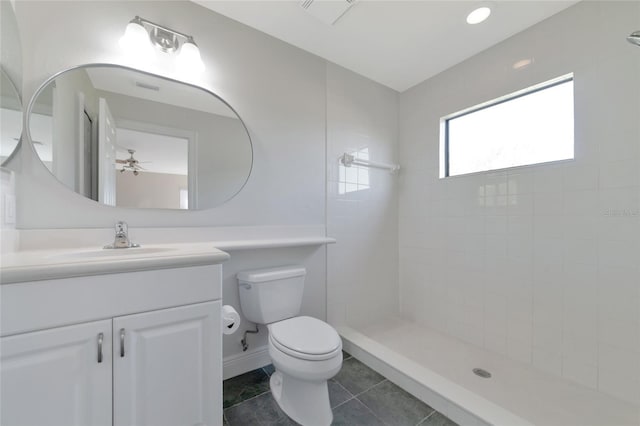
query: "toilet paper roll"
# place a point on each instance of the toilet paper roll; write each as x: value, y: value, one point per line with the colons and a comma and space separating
x: 230, y: 320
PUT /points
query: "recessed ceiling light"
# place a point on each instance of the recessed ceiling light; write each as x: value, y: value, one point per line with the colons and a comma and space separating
x: 522, y: 63
x: 478, y: 15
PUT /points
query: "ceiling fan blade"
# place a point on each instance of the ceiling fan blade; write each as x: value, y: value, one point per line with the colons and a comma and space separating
x: 121, y: 161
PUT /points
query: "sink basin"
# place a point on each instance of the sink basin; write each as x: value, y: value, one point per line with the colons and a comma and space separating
x: 107, y: 253
x: 73, y: 262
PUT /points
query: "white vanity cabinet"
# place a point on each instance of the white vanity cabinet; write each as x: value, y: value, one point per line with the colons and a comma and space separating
x: 135, y: 348
x: 54, y: 377
x: 163, y: 364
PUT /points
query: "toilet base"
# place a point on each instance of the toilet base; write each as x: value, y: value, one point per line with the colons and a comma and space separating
x: 306, y: 402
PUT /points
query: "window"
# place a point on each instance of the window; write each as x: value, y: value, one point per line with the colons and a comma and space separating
x: 531, y: 126
x: 184, y: 198
x: 354, y: 178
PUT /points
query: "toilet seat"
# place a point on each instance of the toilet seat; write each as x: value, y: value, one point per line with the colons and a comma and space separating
x: 305, y: 338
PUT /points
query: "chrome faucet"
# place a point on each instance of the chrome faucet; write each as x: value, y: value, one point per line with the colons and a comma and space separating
x: 122, y: 237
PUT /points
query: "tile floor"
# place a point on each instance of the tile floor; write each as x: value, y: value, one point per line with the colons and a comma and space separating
x: 358, y: 395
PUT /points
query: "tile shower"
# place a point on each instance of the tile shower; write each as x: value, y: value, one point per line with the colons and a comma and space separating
x: 532, y: 272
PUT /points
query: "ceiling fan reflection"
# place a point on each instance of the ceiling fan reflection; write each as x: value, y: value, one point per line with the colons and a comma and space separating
x: 131, y: 163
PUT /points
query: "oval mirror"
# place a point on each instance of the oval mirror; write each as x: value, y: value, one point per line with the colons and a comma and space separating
x: 127, y: 138
x: 10, y: 117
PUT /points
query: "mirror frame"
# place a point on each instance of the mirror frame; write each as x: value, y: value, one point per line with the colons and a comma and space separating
x: 22, y: 111
x: 27, y: 130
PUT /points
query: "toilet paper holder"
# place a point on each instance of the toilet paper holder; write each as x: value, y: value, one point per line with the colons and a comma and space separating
x: 230, y: 320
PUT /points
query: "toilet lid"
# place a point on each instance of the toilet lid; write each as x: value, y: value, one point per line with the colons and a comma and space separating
x: 305, y: 335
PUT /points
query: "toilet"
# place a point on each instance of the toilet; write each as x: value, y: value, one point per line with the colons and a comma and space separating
x: 305, y: 351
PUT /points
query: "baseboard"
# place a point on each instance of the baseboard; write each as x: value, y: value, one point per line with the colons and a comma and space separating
x: 241, y: 363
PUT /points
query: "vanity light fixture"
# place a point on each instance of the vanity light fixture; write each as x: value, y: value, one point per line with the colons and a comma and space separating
x: 141, y: 35
x: 479, y: 14
x: 136, y: 39
x: 189, y: 57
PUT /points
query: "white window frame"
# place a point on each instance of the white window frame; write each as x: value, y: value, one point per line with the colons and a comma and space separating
x: 444, y: 124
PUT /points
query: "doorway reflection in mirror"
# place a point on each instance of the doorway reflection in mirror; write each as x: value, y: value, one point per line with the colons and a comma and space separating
x: 130, y: 139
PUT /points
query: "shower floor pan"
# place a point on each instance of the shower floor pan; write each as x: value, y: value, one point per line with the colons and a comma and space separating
x: 439, y: 370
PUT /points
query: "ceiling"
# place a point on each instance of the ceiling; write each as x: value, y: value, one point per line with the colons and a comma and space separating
x: 396, y: 43
x: 157, y: 89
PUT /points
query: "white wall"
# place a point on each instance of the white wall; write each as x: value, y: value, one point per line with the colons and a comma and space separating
x: 149, y: 189
x: 278, y: 90
x: 66, y: 125
x: 10, y: 44
x: 363, y: 264
x: 281, y: 93
x: 538, y: 263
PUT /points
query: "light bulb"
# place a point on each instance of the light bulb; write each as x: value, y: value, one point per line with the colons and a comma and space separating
x: 135, y: 40
x: 189, y: 59
x: 478, y: 15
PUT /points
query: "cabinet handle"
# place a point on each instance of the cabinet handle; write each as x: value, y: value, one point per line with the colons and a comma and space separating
x: 122, y: 343
x: 100, y: 340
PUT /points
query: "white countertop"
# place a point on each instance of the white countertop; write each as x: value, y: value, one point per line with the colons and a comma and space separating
x: 261, y: 243
x: 36, y: 265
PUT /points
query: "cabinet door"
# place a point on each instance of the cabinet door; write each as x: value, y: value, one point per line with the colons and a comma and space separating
x: 55, y: 377
x: 168, y: 367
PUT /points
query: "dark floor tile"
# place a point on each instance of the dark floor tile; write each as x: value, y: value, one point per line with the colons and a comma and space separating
x: 262, y: 410
x: 224, y: 421
x: 245, y: 386
x: 437, y: 419
x: 395, y: 406
x: 269, y: 369
x: 357, y: 377
x: 345, y: 355
x: 354, y: 413
x: 337, y: 394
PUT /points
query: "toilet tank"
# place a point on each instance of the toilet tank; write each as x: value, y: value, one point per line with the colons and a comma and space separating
x: 271, y: 295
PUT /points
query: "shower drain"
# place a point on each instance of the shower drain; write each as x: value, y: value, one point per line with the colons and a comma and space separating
x: 482, y: 373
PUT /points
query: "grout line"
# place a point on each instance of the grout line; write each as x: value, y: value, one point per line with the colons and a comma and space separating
x: 351, y: 396
x: 368, y: 408
x: 374, y: 414
x: 343, y: 402
x: 378, y: 384
x: 245, y: 400
x: 371, y: 387
x: 433, y: 411
x: 345, y: 389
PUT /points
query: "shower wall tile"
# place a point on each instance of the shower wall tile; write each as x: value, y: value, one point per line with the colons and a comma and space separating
x: 547, y: 361
x: 519, y: 350
x: 548, y: 180
x: 619, y: 384
x: 619, y: 174
x: 580, y: 177
x: 550, y: 252
x: 495, y: 342
x: 582, y: 373
x: 362, y: 267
